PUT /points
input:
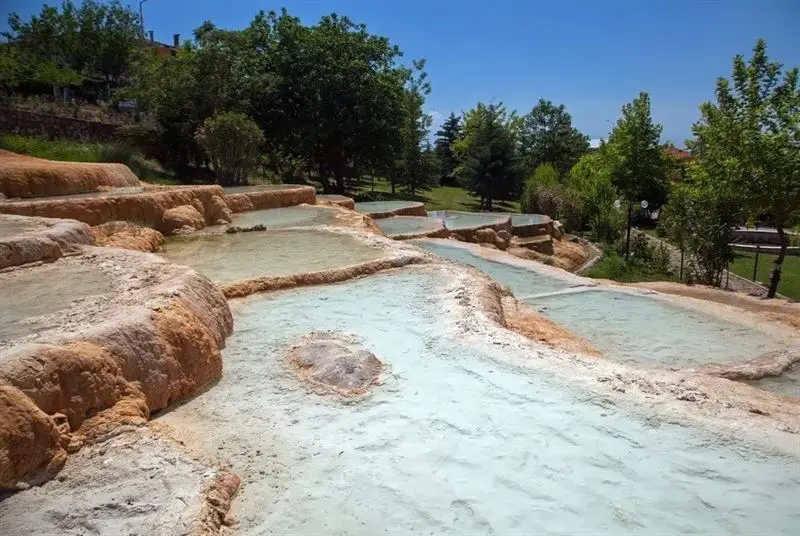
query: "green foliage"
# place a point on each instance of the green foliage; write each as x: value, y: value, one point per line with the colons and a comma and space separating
x: 548, y: 137
x: 446, y: 136
x: 593, y: 198
x: 65, y: 47
x: 637, y: 161
x: 330, y: 98
x: 701, y: 220
x: 613, y: 266
x: 488, y: 160
x: 416, y: 166
x: 748, y: 142
x: 231, y: 141
x: 545, y: 194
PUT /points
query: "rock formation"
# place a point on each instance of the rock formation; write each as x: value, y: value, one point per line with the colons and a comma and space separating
x: 26, y: 240
x: 127, y: 235
x: 25, y: 176
x: 182, y: 219
x: 110, y: 361
x: 290, y: 195
x: 334, y: 362
x: 146, y: 208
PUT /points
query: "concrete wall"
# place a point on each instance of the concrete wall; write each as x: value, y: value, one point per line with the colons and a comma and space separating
x: 52, y: 126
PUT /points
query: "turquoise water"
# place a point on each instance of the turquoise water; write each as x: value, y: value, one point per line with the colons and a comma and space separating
x: 787, y: 383
x: 456, y: 440
x: 383, y: 206
x: 284, y: 217
x: 529, y: 219
x: 232, y: 257
x: 257, y: 188
x: 627, y: 327
x: 455, y: 220
x: 408, y: 225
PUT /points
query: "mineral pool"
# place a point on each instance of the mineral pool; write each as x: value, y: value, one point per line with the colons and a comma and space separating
x: 231, y: 257
x: 455, y: 220
x: 462, y: 437
x: 628, y: 327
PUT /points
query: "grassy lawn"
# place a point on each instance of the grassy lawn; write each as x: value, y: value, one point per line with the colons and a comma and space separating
x: 790, y: 277
x: 439, y: 198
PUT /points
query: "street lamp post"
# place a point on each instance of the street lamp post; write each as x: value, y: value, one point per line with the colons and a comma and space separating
x: 618, y: 204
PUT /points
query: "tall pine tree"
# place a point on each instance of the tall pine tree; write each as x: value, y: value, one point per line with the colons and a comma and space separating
x: 445, y: 137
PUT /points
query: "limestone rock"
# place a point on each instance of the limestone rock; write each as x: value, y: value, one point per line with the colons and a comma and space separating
x: 127, y: 235
x: 504, y: 235
x: 558, y: 230
x: 217, y: 211
x: 182, y: 219
x: 26, y: 176
x: 334, y: 362
x: 29, y: 440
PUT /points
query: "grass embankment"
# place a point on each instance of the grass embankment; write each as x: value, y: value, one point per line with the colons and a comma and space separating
x: 437, y: 198
x: 614, y: 267
x: 789, y: 285
x: 87, y: 151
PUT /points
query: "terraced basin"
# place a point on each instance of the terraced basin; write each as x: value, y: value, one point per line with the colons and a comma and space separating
x: 626, y: 326
x: 410, y: 226
x: 387, y: 209
x: 301, y: 216
x: 470, y: 221
x: 231, y: 257
x: 458, y: 437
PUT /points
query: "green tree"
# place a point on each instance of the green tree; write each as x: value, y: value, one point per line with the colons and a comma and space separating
x: 232, y: 142
x: 416, y: 166
x: 748, y: 142
x: 544, y: 193
x: 96, y: 41
x: 637, y: 161
x: 335, y: 98
x: 488, y: 160
x: 593, y: 195
x: 445, y: 137
x: 548, y: 137
x: 700, y: 219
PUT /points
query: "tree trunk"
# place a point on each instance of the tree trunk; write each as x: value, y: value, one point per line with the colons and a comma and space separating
x: 339, y: 184
x: 323, y: 178
x: 392, y: 181
x: 776, y: 272
x: 489, y: 203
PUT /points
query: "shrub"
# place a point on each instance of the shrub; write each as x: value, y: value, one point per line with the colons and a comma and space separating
x: 545, y: 194
x: 231, y: 140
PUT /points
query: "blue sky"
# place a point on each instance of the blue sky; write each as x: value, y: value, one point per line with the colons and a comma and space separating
x: 592, y: 56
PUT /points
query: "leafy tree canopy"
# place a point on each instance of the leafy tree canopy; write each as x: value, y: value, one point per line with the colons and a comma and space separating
x: 548, y: 137
x: 748, y: 141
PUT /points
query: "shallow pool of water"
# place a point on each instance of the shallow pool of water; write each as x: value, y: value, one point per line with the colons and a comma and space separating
x: 528, y: 219
x: 284, y: 217
x: 522, y: 282
x: 27, y: 294
x: 408, y: 225
x: 627, y: 327
x: 457, y: 440
x: 257, y: 188
x: 383, y: 206
x: 231, y: 257
x: 455, y: 220
x: 787, y: 383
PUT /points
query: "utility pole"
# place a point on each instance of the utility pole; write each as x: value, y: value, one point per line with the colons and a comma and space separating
x: 141, y: 16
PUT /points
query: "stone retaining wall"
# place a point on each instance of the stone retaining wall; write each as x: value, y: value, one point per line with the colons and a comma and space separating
x: 52, y: 126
